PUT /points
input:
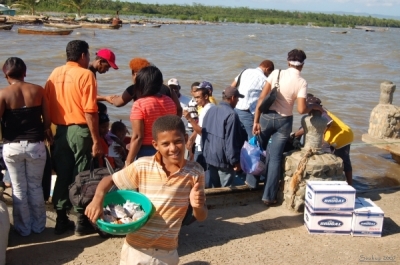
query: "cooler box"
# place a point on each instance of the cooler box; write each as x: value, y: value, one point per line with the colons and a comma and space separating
x: 330, y: 196
x: 367, y: 219
x: 327, y: 223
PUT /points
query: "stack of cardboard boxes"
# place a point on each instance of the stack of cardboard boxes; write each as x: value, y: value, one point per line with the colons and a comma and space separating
x: 331, y: 207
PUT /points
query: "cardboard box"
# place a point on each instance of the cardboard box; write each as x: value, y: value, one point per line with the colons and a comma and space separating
x: 367, y: 219
x: 327, y: 223
x: 330, y: 196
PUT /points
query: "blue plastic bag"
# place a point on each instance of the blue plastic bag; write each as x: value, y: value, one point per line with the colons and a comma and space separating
x: 252, y: 158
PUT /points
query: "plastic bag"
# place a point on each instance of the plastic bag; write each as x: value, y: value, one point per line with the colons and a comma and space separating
x: 252, y: 158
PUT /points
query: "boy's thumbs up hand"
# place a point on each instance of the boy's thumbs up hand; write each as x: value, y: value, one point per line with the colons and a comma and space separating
x: 197, y: 196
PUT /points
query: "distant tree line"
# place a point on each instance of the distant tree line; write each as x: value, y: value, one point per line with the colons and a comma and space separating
x: 198, y: 11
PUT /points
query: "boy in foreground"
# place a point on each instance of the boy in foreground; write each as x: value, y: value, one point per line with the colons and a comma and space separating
x: 170, y: 182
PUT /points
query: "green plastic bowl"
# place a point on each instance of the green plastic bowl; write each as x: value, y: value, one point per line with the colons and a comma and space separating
x: 120, y: 197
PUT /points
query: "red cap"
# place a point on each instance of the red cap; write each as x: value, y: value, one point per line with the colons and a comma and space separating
x: 108, y: 55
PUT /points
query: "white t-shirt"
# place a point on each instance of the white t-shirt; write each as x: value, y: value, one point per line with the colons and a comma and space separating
x: 184, y: 100
x: 201, y: 118
x: 291, y: 87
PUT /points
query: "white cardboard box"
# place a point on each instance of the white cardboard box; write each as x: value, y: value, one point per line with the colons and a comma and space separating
x: 330, y: 196
x: 367, y: 219
x: 327, y: 223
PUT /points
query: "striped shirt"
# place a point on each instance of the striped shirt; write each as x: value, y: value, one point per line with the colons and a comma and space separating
x: 149, y: 109
x: 169, y: 195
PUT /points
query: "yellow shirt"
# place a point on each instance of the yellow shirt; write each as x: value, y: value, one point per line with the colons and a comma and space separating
x: 338, y: 134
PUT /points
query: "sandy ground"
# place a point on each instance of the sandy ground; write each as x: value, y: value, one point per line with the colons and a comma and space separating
x: 236, y: 232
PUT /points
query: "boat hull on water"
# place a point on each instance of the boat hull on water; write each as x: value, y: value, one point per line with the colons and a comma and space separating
x: 6, y: 27
x: 339, y: 32
x: 63, y: 26
x: 44, y: 31
x: 99, y: 26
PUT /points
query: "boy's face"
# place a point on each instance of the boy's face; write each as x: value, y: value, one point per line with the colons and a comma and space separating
x: 121, y: 134
x: 193, y: 89
x: 200, y: 99
x: 103, y: 128
x: 171, y: 145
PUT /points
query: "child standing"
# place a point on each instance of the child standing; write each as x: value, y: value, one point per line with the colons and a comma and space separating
x: 170, y: 182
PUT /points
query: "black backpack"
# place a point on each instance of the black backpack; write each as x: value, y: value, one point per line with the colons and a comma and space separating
x: 82, y: 191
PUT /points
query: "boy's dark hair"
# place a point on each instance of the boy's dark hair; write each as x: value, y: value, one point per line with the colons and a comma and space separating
x: 117, y: 126
x: 14, y: 67
x: 102, y: 108
x: 297, y: 55
x: 204, y: 91
x: 167, y: 123
x: 75, y: 48
x: 149, y: 81
x: 195, y: 84
x: 103, y: 118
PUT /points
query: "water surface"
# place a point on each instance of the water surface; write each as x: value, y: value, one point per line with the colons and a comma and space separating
x: 344, y: 70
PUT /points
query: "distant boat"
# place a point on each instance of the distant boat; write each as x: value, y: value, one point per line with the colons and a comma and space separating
x: 146, y: 25
x: 6, y: 27
x: 370, y: 30
x: 339, y: 32
x: 99, y: 26
x: 42, y: 31
x: 80, y: 18
x: 63, y: 26
x: 57, y: 19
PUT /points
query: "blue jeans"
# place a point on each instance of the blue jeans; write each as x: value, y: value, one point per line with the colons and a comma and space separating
x: 221, y: 177
x: 277, y: 128
x: 246, y: 119
x: 199, y: 158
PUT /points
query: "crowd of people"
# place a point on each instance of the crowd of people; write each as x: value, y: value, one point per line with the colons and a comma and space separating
x: 178, y: 145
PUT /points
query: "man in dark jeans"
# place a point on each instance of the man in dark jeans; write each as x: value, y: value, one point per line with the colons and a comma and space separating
x: 222, y: 139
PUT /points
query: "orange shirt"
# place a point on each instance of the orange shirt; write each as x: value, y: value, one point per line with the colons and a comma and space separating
x: 71, y: 91
x: 168, y: 194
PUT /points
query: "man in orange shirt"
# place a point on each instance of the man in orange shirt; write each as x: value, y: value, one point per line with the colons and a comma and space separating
x: 71, y: 91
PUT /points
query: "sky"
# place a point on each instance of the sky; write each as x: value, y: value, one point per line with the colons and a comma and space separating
x: 372, y: 7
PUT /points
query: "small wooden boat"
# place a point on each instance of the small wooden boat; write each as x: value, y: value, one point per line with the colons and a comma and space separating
x: 6, y: 27
x: 146, y: 25
x: 42, y: 31
x: 99, y: 26
x: 63, y: 26
x: 152, y: 25
x: 339, y: 32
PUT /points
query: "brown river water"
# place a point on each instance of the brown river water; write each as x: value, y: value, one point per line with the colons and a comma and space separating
x: 344, y: 70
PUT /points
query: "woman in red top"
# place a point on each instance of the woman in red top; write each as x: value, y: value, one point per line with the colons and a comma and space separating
x: 149, y: 106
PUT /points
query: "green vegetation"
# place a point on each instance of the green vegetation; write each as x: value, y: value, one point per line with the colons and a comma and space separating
x: 211, y: 13
x: 26, y: 4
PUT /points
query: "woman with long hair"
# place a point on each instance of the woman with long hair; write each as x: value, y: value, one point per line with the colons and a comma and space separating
x: 149, y: 106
